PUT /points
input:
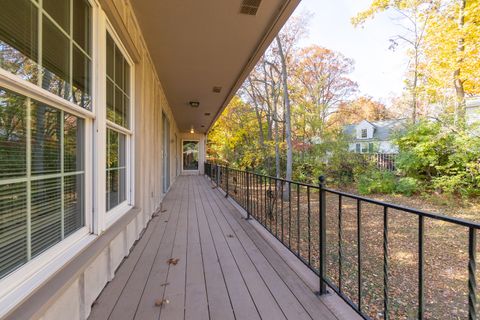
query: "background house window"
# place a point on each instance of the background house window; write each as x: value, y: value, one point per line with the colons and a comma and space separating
x: 357, y: 147
x: 41, y: 178
x: 46, y: 44
x: 364, y: 148
x: 118, y: 115
x: 364, y: 134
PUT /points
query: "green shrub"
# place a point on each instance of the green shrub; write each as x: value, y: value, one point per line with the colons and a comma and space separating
x: 375, y: 181
x: 407, y: 186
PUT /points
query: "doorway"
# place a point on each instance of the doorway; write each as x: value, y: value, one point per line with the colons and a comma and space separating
x: 190, y: 155
x: 166, y: 153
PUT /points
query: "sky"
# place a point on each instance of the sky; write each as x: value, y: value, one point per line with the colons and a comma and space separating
x: 379, y: 71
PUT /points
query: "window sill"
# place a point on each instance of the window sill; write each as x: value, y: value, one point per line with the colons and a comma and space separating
x: 116, y: 213
x: 26, y: 279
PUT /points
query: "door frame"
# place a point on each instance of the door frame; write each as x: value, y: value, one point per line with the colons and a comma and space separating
x: 198, y: 147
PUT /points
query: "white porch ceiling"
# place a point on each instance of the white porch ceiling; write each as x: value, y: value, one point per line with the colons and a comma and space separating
x: 200, y: 44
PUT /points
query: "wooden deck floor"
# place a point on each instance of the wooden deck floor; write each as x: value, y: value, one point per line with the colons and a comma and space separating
x: 226, y: 269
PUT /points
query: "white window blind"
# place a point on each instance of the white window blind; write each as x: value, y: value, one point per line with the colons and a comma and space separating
x: 41, y: 178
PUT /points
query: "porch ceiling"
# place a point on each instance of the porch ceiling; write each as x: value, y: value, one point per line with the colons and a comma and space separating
x: 197, y: 45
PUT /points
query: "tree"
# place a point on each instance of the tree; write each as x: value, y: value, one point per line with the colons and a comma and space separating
x: 362, y: 108
x: 414, y: 18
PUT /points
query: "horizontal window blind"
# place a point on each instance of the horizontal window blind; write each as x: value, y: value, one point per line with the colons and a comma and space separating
x: 41, y: 178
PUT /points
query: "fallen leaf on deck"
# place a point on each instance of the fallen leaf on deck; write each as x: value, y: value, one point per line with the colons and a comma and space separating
x: 173, y: 261
x: 161, y: 302
x: 164, y: 210
x: 165, y: 284
x: 230, y: 236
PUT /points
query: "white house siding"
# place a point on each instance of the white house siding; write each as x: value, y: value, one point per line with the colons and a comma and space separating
x: 378, y: 146
x: 75, y: 300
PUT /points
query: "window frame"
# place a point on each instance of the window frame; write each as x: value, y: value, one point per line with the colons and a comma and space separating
x: 21, y: 281
x: 198, y: 144
x: 364, y: 130
x: 107, y: 218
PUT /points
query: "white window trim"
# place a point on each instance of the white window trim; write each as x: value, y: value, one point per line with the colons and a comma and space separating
x: 191, y: 171
x: 20, y: 283
x: 106, y: 219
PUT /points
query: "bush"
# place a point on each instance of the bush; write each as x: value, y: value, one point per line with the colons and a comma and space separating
x: 375, y: 181
x: 407, y: 186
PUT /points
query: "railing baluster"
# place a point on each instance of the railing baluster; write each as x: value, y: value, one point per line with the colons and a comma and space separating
x: 340, y: 243
x: 248, y: 193
x: 359, y: 252
x: 289, y: 215
x: 421, y: 263
x: 226, y: 192
x: 298, y: 219
x: 281, y: 216
x: 309, y: 227
x: 472, y: 268
x: 322, y: 237
x: 386, y: 315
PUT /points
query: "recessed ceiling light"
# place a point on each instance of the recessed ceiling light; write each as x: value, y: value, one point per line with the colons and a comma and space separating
x: 192, y: 131
x: 194, y: 104
x: 202, y: 126
x: 207, y: 113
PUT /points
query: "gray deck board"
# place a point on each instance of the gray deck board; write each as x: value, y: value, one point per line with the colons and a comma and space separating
x: 226, y: 269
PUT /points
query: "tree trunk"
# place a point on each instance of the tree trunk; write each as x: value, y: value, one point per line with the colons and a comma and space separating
x: 458, y: 82
x: 288, y: 124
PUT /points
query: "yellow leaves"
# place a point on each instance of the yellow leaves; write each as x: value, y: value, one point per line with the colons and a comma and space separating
x: 376, y: 7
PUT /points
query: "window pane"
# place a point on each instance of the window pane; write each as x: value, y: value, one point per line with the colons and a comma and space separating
x: 110, y: 100
x: 81, y: 78
x: 116, y: 173
x: 118, y: 67
x: 126, y: 77
x: 119, y: 113
x: 12, y: 135
x: 190, y: 155
x: 18, y: 38
x: 13, y: 227
x: 110, y: 56
x: 59, y: 11
x: 73, y: 143
x: 46, y: 214
x: 81, y: 24
x: 73, y: 198
x: 56, y: 59
x: 126, y: 111
x: 45, y: 139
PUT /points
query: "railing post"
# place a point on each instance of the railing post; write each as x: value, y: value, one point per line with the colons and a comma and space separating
x: 322, y: 235
x: 248, y: 195
x: 226, y: 191
x: 218, y: 175
x: 472, y: 269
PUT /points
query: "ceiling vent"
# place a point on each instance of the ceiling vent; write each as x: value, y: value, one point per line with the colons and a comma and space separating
x: 217, y: 89
x: 250, y: 7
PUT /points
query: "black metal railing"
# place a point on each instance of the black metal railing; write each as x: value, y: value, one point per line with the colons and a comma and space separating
x: 363, y: 249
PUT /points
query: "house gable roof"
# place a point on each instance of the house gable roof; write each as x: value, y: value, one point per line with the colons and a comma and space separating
x: 383, y: 128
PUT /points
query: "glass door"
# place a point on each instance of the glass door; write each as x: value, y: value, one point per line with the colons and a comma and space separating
x: 190, y: 155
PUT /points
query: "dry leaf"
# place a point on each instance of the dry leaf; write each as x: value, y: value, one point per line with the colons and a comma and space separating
x: 173, y: 261
x: 230, y: 236
x: 161, y: 302
x: 165, y: 284
x: 164, y: 210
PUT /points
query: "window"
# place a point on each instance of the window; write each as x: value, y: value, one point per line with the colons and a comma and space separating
x: 46, y: 44
x: 190, y: 155
x: 357, y: 147
x: 41, y: 178
x: 364, y: 134
x: 118, y: 123
x: 370, y: 147
x: 364, y: 148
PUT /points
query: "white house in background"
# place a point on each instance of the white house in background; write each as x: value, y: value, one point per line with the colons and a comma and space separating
x: 473, y: 111
x: 374, y: 136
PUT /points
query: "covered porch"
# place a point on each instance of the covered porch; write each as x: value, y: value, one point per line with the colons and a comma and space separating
x: 227, y: 268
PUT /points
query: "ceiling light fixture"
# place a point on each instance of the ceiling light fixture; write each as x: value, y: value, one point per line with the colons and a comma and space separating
x: 192, y: 131
x: 194, y: 104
